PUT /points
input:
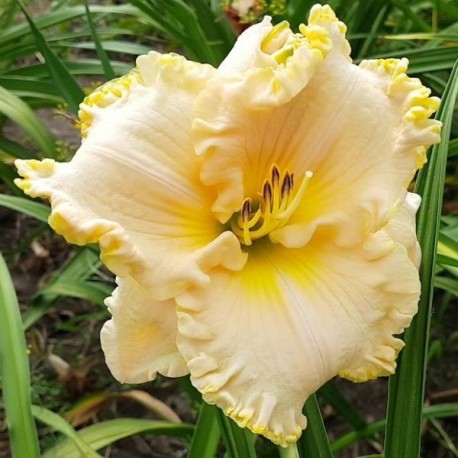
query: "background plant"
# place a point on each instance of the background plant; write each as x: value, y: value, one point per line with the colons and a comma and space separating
x: 51, y: 53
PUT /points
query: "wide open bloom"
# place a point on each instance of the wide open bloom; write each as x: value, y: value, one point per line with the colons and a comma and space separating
x: 256, y: 216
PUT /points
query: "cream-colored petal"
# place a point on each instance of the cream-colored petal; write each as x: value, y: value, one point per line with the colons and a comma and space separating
x: 378, y: 358
x: 140, y: 339
x: 362, y: 131
x: 260, y: 341
x: 133, y: 186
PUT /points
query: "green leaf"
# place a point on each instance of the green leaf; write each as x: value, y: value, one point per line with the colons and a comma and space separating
x: 26, y: 206
x: 15, y: 149
x: 59, y: 16
x: 406, y: 389
x: 79, y: 267
x: 75, y: 67
x: 207, y: 435
x: 88, y: 290
x: 14, y: 372
x: 332, y: 395
x: 108, y: 69
x: 447, y: 284
x: 180, y: 21
x: 60, y: 424
x: 239, y: 442
x: 314, y: 441
x: 109, y: 431
x: 19, y: 112
x: 436, y: 411
x: 69, y: 88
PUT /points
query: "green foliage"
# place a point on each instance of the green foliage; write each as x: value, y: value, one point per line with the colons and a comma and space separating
x: 407, y: 386
x: 49, y: 58
x: 14, y: 371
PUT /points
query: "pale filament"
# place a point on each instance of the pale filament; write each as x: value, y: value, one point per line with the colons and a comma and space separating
x: 277, y: 202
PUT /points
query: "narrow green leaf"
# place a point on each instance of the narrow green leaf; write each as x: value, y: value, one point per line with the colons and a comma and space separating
x: 26, y: 206
x: 107, y: 68
x: 447, y: 246
x: 447, y: 284
x: 332, y: 395
x: 178, y: 20
x: 19, y: 112
x: 8, y: 175
x: 109, y: 431
x: 297, y: 10
x: 216, y: 27
x: 118, y: 46
x: 239, y: 442
x: 436, y: 411
x: 60, y: 424
x: 61, y: 16
x: 406, y: 389
x: 75, y: 67
x: 69, y: 88
x: 88, y: 290
x: 445, y: 260
x: 15, y: 149
x: 411, y: 15
x: 31, y: 87
x: 207, y: 435
x: 314, y: 441
x: 14, y: 372
x: 79, y: 267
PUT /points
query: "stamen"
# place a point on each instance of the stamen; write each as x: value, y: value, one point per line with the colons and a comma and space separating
x: 267, y: 193
x: 286, y: 185
x: 246, y: 210
x: 276, y: 205
x: 297, y: 198
x: 275, y: 174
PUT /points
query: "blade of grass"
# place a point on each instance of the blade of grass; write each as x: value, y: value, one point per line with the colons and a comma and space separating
x: 81, y: 266
x: 406, y: 388
x: 15, y: 149
x: 68, y: 86
x: 75, y: 67
x: 8, y: 175
x: 107, y: 68
x: 19, y: 112
x: 56, y: 17
x: 26, y: 206
x: 15, y: 373
x: 297, y: 10
x: 91, y: 291
x: 411, y: 15
x: 314, y: 441
x: 207, y: 434
x: 447, y: 284
x: 60, y: 424
x: 178, y: 20
x: 332, y: 395
x: 239, y: 442
x: 109, y: 431
x: 436, y: 411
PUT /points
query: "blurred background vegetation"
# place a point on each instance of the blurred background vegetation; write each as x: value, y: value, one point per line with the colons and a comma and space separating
x: 54, y: 52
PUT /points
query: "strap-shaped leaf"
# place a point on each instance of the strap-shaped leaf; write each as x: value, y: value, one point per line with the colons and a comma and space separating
x: 406, y: 390
x: 14, y: 372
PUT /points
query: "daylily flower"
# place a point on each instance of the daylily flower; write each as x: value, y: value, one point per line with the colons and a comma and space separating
x: 256, y: 216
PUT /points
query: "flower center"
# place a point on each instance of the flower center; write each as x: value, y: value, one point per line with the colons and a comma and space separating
x: 277, y: 202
